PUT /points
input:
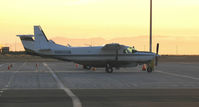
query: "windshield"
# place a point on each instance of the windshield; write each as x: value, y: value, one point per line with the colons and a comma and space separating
x: 129, y: 50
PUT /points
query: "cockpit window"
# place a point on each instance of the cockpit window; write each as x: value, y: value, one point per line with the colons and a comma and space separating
x: 130, y: 50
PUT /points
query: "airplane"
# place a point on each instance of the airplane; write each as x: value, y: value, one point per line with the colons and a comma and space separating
x: 109, y: 56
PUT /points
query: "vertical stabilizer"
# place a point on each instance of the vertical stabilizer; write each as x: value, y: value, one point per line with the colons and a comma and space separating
x: 41, y: 42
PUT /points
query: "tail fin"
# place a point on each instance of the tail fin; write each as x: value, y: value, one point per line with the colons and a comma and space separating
x: 41, y: 41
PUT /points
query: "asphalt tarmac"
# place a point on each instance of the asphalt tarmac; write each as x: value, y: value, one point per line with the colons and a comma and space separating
x: 63, y: 84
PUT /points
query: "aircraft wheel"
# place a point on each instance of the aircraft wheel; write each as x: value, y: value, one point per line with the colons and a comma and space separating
x: 149, y: 69
x: 84, y: 66
x: 87, y: 67
x: 109, y: 69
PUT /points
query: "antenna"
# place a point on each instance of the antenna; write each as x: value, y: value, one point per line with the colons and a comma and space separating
x: 150, y: 26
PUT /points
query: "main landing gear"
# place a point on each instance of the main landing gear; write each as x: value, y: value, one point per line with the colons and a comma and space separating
x: 87, y: 67
x: 148, y: 68
x: 109, y: 69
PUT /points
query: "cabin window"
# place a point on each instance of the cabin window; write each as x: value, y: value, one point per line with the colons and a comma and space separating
x: 62, y: 52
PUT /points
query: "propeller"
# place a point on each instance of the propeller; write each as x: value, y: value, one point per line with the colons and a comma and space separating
x: 156, y: 57
x: 117, y: 52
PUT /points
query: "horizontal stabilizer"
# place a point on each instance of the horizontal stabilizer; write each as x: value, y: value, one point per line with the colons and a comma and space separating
x: 26, y: 37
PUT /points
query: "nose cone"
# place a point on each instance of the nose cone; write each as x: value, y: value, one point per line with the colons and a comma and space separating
x: 153, y: 54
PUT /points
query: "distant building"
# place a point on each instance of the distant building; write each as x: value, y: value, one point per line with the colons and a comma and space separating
x: 5, y: 50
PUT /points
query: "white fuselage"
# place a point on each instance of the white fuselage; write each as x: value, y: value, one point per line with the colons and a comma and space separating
x: 95, y: 54
x: 99, y: 56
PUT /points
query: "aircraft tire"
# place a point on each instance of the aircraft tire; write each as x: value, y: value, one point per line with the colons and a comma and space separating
x: 87, y: 67
x: 149, y: 69
x: 109, y: 69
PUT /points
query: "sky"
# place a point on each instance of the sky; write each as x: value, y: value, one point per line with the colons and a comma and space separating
x: 173, y: 20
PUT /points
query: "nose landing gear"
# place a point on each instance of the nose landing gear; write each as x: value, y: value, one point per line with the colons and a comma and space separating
x: 149, y: 69
x: 109, y: 70
x: 87, y: 67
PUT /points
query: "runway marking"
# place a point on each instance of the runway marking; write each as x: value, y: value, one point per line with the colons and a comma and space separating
x: 1, y: 65
x: 9, y: 82
x: 75, y: 99
x: 178, y: 75
x: 188, y: 63
x: 12, y: 77
x: 1, y: 92
x: 100, y: 71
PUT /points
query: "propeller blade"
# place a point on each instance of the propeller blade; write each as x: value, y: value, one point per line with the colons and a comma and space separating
x: 117, y: 53
x: 156, y: 57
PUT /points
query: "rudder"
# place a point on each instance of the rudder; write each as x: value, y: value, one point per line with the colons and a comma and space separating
x: 41, y: 41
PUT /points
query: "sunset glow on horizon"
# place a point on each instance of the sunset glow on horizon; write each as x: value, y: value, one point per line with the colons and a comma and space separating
x: 175, y: 22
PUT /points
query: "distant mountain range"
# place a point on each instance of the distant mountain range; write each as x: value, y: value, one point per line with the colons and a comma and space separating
x: 168, y: 45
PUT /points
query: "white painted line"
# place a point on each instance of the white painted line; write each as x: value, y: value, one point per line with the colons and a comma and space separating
x: 1, y: 65
x: 178, y: 75
x: 12, y: 77
x: 187, y: 63
x: 1, y: 92
x: 75, y: 99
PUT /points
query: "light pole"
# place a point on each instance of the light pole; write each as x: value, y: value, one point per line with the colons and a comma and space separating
x: 150, y: 26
